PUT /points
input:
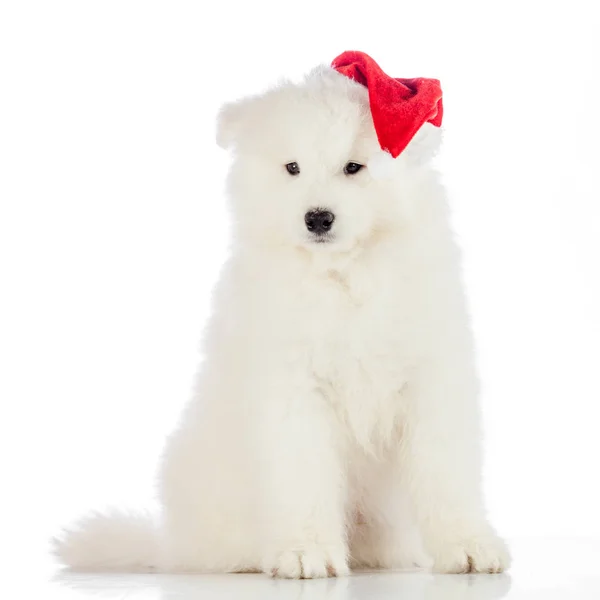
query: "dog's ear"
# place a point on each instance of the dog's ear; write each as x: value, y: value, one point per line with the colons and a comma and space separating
x: 230, y: 122
x: 425, y: 144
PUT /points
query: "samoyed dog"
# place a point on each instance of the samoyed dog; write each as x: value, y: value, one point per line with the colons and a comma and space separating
x: 335, y: 421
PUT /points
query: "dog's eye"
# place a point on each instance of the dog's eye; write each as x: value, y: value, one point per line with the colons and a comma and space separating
x: 293, y: 168
x: 351, y: 168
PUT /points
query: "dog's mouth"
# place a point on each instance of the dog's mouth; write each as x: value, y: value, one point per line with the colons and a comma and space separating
x: 326, y: 238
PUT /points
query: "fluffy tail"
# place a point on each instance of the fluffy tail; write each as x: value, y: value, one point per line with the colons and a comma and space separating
x: 117, y: 541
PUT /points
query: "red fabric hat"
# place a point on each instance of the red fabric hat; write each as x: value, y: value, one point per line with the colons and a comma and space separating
x: 399, y: 106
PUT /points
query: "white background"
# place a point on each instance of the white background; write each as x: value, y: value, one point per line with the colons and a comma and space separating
x: 113, y: 229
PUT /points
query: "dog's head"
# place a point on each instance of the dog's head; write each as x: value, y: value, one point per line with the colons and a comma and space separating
x: 300, y: 174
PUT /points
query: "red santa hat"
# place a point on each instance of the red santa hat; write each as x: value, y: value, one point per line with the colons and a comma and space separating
x: 399, y: 106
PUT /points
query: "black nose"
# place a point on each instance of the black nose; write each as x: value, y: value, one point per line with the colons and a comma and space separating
x: 319, y: 221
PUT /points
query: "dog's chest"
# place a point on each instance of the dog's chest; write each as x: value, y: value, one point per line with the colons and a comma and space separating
x: 359, y: 335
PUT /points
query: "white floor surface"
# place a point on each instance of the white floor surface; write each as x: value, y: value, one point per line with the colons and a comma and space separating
x: 544, y: 568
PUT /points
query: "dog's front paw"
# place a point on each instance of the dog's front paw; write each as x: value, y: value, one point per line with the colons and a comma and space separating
x: 474, y: 554
x: 309, y: 562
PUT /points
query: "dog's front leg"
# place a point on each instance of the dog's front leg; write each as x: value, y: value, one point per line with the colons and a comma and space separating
x: 441, y: 466
x: 302, y: 482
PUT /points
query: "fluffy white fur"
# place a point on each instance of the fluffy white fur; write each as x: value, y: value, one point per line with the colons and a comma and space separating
x: 335, y: 422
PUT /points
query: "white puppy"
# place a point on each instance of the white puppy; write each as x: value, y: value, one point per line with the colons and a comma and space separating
x: 336, y: 421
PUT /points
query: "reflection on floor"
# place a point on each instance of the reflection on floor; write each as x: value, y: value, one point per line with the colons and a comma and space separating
x: 544, y: 569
